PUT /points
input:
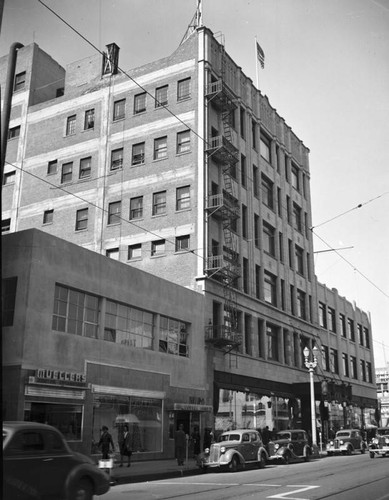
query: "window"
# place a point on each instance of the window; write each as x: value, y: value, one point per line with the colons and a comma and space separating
x: 112, y: 253
x: 183, y: 142
x: 161, y: 96
x: 281, y: 246
x: 71, y: 125
x: 160, y: 148
x: 363, y: 370
x: 369, y: 372
x: 82, y: 219
x: 138, y: 154
x: 114, y: 212
x: 257, y: 281
x: 183, y: 89
x: 295, y: 177
x: 173, y: 337
x: 20, y: 81
x: 299, y: 254
x: 128, y: 326
x: 270, y: 288
x: 267, y: 192
x: 244, y: 221
x: 265, y: 147
x: 136, y: 208
x: 360, y: 334
x: 157, y: 248
x: 279, y: 202
x: 8, y: 293
x: 67, y: 417
x: 322, y: 315
x: 75, y: 312
x: 256, y: 230
x: 159, y: 203
x: 342, y: 319
x: 325, y: 358
x: 297, y: 217
x: 353, y: 367
x: 255, y: 181
x: 350, y: 329
x: 5, y: 225
x: 301, y: 304
x: 331, y: 319
x: 290, y: 253
x: 116, y: 159
x: 85, y: 167
x: 89, y: 121
x: 134, y: 251
x: 182, y: 243
x: 269, y: 239
x: 272, y: 342
x: 245, y: 276
x: 67, y: 172
x: 140, y: 103
x: 48, y: 216
x: 119, y: 109
x: 52, y: 167
x: 183, y: 198
x: 14, y: 132
x: 334, y: 368
x: 243, y: 171
x: 9, y: 178
x: 345, y: 365
x: 367, y: 337
x: 254, y: 134
x: 242, y: 123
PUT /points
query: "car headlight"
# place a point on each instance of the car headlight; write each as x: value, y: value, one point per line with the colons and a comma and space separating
x: 276, y: 446
x: 223, y: 449
x: 341, y: 441
x: 387, y: 440
x: 331, y: 443
x: 206, y: 451
x: 375, y: 441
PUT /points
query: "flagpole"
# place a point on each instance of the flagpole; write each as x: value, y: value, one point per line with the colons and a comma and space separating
x: 256, y: 61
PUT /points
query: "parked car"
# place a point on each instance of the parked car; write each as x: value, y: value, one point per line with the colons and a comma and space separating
x: 289, y: 445
x: 346, y: 442
x: 379, y: 445
x: 233, y: 450
x: 38, y: 463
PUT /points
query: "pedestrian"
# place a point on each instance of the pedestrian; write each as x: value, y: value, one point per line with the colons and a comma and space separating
x: 125, y: 446
x: 266, y: 435
x: 105, y: 443
x: 208, y: 436
x: 196, y: 441
x: 180, y: 444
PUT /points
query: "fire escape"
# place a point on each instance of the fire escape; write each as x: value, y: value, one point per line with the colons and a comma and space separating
x: 224, y: 267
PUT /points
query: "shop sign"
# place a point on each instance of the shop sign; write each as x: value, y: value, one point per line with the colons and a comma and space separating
x: 58, y: 377
x: 191, y: 407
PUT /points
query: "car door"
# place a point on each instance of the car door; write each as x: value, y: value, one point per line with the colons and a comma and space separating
x: 24, y: 476
x: 246, y: 447
x: 298, y: 443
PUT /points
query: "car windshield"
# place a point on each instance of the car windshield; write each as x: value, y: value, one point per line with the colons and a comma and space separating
x: 283, y: 435
x: 342, y: 434
x: 229, y: 437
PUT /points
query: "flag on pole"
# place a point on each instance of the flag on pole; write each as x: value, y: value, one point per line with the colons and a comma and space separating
x: 260, y: 56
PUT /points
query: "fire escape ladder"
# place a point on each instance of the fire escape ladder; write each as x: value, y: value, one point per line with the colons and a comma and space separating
x: 227, y: 273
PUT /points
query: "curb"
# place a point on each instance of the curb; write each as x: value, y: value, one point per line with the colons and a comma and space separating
x: 150, y: 476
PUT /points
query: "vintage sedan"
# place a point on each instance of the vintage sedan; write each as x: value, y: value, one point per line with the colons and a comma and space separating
x: 379, y: 445
x: 290, y: 445
x: 38, y: 463
x: 233, y: 450
x: 346, y: 442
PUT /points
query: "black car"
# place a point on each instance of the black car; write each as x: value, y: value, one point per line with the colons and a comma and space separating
x: 290, y: 445
x: 38, y: 464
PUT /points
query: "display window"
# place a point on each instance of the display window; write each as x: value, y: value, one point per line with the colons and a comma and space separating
x: 67, y: 418
x: 143, y: 416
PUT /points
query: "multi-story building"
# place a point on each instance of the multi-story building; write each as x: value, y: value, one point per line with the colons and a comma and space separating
x: 183, y: 169
x: 382, y: 381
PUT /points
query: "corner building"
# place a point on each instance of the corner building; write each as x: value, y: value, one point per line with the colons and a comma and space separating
x: 183, y: 169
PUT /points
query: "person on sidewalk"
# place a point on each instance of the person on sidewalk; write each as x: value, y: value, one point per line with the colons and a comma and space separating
x: 125, y: 446
x: 180, y: 444
x: 106, y: 443
x: 195, y: 437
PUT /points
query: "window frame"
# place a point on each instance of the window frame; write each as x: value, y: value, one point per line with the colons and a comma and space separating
x: 158, y: 248
x: 132, y: 250
x: 48, y: 216
x: 138, y: 158
x: 84, y: 173
x: 82, y: 219
x: 52, y: 167
x: 181, y: 83
x: 159, y: 203
x: 161, y: 96
x: 267, y: 188
x: 139, y: 100
x: 183, y: 142
x: 119, y: 109
x: 270, y: 288
x: 89, y: 119
x: 71, y: 122
x: 19, y: 84
x: 64, y: 175
x: 183, y: 199
x: 136, y: 210
x: 13, y: 133
x: 116, y: 163
x: 182, y: 243
x: 160, y: 148
x: 114, y: 213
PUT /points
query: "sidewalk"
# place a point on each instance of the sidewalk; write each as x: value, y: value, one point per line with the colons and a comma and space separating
x: 152, y: 470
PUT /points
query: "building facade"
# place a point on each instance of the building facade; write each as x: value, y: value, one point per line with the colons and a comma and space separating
x: 183, y: 169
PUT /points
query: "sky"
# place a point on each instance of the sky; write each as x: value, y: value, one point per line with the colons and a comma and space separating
x: 326, y: 73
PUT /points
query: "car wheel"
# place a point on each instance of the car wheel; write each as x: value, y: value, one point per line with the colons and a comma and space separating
x: 372, y: 455
x: 349, y: 450
x: 329, y: 453
x: 234, y: 464
x: 363, y: 450
x: 82, y: 490
x: 262, y: 461
x: 307, y: 457
x: 287, y: 458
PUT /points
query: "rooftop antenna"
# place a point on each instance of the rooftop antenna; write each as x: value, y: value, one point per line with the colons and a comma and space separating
x: 196, y: 22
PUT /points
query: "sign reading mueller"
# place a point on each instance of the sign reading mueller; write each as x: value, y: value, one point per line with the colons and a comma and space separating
x: 60, y: 376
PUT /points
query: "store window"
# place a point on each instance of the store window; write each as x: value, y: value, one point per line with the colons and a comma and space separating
x: 143, y: 416
x: 66, y: 418
x: 173, y: 337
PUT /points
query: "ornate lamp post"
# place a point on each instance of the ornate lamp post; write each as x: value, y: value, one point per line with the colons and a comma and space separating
x: 311, y: 365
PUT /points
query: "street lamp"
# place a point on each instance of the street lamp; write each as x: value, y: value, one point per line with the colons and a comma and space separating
x: 311, y: 365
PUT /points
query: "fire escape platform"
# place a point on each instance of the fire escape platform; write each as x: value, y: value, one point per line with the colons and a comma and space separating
x: 222, y: 337
x: 222, y: 150
x: 220, y: 95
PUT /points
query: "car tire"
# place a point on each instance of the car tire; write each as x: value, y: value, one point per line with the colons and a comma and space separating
x: 372, y: 455
x: 287, y: 458
x: 363, y: 450
x: 307, y: 457
x: 82, y: 490
x: 329, y: 453
x: 262, y: 461
x: 234, y: 464
x: 349, y: 450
